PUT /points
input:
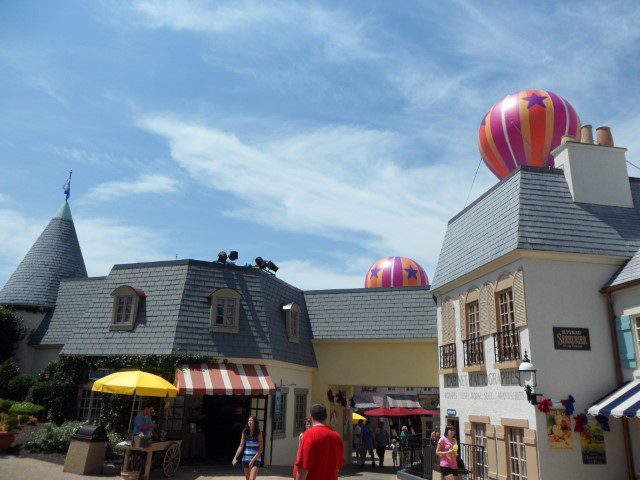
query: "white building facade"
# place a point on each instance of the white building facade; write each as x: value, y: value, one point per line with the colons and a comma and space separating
x: 522, y: 270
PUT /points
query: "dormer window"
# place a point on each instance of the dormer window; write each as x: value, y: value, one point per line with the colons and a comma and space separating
x: 292, y: 315
x: 225, y: 310
x: 126, y: 300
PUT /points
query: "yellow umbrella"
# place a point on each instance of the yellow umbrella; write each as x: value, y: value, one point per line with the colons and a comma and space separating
x: 356, y: 417
x: 135, y: 382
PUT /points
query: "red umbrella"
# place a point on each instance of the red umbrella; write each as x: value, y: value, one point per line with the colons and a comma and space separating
x: 422, y: 411
x: 389, y: 412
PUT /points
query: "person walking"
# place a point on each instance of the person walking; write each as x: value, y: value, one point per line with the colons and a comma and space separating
x: 357, y: 441
x: 404, y: 444
x: 394, y: 452
x: 435, y: 437
x: 367, y: 444
x: 321, y: 452
x: 307, y: 426
x: 381, y: 438
x: 448, y: 451
x: 251, y: 448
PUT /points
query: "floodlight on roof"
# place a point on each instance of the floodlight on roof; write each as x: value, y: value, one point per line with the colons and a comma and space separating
x: 222, y: 257
x: 261, y: 263
x: 233, y: 255
x: 272, y: 266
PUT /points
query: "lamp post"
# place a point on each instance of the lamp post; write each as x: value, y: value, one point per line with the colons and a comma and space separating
x: 528, y: 379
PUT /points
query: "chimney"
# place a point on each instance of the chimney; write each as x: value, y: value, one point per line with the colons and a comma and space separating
x: 596, y: 174
x: 586, y: 134
x: 604, y: 136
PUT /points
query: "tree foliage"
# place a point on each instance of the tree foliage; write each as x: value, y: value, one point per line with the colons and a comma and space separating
x: 11, y: 332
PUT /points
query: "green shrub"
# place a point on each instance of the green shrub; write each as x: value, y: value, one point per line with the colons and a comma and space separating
x: 19, y: 386
x: 113, y: 439
x: 52, y: 438
x: 8, y: 422
x: 26, y: 408
x: 5, y: 405
x: 41, y: 392
x: 11, y: 332
x: 8, y: 370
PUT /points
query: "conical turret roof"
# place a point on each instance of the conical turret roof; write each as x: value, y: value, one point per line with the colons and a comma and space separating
x: 55, y: 255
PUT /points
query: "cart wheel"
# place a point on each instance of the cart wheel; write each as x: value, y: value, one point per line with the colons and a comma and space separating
x: 171, y: 460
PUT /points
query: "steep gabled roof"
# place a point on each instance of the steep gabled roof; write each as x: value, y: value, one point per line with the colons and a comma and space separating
x: 372, y: 313
x: 55, y: 255
x: 533, y: 209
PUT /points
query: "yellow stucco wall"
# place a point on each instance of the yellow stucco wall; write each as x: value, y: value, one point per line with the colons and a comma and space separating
x: 343, y: 365
x: 382, y: 364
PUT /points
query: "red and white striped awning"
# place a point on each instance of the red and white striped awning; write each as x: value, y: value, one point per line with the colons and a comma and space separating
x: 221, y: 379
x: 403, y: 401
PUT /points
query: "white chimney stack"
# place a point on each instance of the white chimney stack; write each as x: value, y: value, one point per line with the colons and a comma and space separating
x: 595, y: 174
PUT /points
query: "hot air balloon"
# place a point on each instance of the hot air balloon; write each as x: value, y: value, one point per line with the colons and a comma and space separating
x: 395, y: 272
x: 523, y: 128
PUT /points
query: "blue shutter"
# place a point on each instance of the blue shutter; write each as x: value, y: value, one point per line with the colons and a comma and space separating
x: 625, y: 342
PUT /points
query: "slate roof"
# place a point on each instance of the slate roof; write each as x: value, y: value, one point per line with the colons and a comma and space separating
x: 55, y: 255
x: 174, y: 316
x: 628, y: 272
x: 372, y: 313
x: 533, y: 209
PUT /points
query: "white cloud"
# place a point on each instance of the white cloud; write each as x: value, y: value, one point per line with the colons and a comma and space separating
x: 278, y: 22
x: 308, y: 275
x: 344, y: 183
x: 144, y: 184
x: 46, y: 86
x: 16, y: 237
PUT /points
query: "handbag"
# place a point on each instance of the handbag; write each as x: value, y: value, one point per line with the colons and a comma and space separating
x: 460, y: 463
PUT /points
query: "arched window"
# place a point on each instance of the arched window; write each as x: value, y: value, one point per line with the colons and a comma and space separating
x: 126, y: 300
x: 292, y: 313
x: 225, y: 310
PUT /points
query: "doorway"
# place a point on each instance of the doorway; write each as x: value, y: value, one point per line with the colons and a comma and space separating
x: 224, y: 418
x: 455, y: 423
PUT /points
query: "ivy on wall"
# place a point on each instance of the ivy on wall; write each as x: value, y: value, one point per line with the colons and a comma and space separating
x: 59, y: 383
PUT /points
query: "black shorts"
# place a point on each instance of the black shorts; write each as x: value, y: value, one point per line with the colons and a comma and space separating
x: 245, y: 463
x: 448, y: 471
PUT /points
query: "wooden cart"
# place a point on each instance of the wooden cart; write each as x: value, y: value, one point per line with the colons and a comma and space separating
x: 167, y: 455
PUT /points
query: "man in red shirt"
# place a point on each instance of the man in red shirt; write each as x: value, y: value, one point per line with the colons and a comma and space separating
x: 321, y: 451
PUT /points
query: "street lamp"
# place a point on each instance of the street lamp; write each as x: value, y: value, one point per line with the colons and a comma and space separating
x: 528, y: 379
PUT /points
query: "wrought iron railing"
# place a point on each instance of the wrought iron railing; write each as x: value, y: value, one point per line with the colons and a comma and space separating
x: 418, y: 457
x: 448, y: 356
x: 473, y: 351
x: 507, y: 345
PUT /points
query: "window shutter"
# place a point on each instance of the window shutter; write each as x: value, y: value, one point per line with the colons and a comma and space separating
x: 520, y: 309
x: 484, y: 310
x: 463, y: 317
x: 625, y: 342
x: 491, y: 308
x: 447, y: 316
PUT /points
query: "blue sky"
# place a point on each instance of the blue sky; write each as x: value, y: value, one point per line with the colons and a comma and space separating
x: 321, y: 135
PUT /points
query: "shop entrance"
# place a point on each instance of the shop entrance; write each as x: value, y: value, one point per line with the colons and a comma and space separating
x: 224, y: 418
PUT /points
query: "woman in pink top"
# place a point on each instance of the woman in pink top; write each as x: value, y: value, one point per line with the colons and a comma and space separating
x: 448, y: 455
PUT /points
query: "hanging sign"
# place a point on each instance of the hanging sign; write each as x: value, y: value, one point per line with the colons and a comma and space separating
x: 559, y: 430
x: 277, y: 408
x: 452, y: 413
x: 566, y: 338
x: 592, y: 442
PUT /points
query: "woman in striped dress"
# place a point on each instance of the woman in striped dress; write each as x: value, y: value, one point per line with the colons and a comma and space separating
x: 251, y: 448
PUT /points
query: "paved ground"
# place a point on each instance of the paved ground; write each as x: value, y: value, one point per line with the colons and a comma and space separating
x: 48, y: 468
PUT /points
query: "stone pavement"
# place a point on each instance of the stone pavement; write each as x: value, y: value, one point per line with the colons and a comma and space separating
x: 44, y: 468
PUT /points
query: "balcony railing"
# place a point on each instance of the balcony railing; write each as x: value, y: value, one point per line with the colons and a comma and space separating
x: 418, y: 457
x: 507, y: 345
x: 448, y: 356
x: 473, y: 351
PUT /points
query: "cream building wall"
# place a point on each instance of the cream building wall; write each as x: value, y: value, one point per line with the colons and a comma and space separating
x: 559, y: 293
x: 344, y: 364
x: 25, y: 354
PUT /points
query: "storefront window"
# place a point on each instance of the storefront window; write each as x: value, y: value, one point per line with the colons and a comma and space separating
x: 517, y: 458
x: 479, y: 434
x: 89, y: 404
x: 300, y: 412
x: 174, y: 414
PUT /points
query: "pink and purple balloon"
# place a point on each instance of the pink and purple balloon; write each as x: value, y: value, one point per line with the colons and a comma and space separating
x: 395, y: 272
